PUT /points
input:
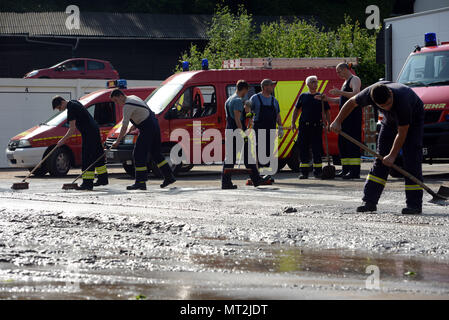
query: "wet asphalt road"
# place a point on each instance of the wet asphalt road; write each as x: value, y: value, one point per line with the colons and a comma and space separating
x: 291, y: 240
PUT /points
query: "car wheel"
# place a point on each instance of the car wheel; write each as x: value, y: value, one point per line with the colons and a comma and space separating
x: 39, y: 172
x: 129, y: 169
x: 59, y: 163
x: 282, y: 163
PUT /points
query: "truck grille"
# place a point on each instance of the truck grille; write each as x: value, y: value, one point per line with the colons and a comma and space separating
x: 109, y: 142
x: 432, y: 116
x: 13, y: 144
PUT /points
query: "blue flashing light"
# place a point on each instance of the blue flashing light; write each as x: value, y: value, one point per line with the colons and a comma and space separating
x: 430, y: 39
x: 122, y: 84
x: 185, y: 66
x: 447, y: 117
x: 205, y: 64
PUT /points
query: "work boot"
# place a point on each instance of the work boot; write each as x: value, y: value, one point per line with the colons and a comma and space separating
x: 137, y: 186
x: 86, y: 185
x: 409, y: 210
x: 102, y: 180
x: 351, y: 176
x: 303, y: 176
x: 228, y: 186
x: 261, y: 181
x: 367, y: 207
x: 344, y: 171
x: 168, y: 181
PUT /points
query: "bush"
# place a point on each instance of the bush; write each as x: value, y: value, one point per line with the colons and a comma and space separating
x: 233, y: 36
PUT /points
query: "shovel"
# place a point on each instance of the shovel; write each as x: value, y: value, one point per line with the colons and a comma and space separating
x: 329, y: 170
x: 443, y: 192
x: 74, y: 185
x: 25, y: 185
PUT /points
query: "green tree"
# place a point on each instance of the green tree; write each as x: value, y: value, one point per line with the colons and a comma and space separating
x: 233, y: 36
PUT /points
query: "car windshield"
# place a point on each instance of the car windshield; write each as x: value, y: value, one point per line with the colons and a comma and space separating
x: 56, y: 119
x: 162, y: 96
x: 426, y: 69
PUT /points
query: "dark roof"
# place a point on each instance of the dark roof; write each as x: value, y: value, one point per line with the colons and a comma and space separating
x: 113, y: 25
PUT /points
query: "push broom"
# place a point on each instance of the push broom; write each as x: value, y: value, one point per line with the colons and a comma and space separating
x: 443, y: 192
x: 74, y: 185
x: 25, y: 185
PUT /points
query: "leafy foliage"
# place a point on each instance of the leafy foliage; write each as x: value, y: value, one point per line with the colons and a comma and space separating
x: 233, y: 36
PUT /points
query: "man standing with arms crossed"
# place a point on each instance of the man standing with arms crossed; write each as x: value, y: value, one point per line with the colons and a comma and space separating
x: 402, y: 128
x: 148, y: 141
x: 310, y: 128
x: 349, y: 153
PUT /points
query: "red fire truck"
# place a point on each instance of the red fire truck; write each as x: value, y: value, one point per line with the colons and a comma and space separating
x: 26, y: 149
x: 194, y: 101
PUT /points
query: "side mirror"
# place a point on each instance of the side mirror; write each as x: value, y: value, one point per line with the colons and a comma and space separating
x: 381, y: 79
x: 171, y: 113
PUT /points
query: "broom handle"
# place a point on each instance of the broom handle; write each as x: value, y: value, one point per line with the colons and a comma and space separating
x: 395, y: 167
x: 40, y: 163
x: 325, y: 134
x: 103, y: 154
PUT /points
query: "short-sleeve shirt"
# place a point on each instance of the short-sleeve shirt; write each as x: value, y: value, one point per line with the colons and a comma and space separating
x: 233, y: 103
x: 135, y: 110
x: 85, y: 123
x: 255, y: 104
x: 406, y: 109
x: 311, y: 108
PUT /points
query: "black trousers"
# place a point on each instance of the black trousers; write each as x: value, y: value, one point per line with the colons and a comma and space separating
x: 92, y: 149
x: 149, y: 143
x: 310, y: 137
x: 412, y: 158
x: 350, y: 153
x: 267, y: 143
x: 231, y: 160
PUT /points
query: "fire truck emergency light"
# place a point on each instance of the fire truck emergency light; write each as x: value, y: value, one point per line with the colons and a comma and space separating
x: 430, y: 39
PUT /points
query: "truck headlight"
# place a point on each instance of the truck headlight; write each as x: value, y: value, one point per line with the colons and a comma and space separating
x: 129, y: 139
x: 24, y: 143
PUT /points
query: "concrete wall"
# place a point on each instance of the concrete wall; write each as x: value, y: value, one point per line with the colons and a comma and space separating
x: 408, y: 31
x: 25, y: 103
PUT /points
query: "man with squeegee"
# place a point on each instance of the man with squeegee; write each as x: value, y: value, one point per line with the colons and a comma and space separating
x: 402, y: 128
x: 92, y: 148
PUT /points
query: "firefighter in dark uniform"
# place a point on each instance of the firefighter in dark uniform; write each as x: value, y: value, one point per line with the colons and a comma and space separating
x: 235, y: 125
x: 267, y: 113
x: 349, y: 153
x: 402, y: 128
x: 310, y: 128
x: 148, y: 141
x: 78, y: 117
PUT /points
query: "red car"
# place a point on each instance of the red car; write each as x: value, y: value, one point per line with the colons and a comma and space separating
x: 77, y: 68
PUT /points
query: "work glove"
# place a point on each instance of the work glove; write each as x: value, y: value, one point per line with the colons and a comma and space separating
x: 244, y: 136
